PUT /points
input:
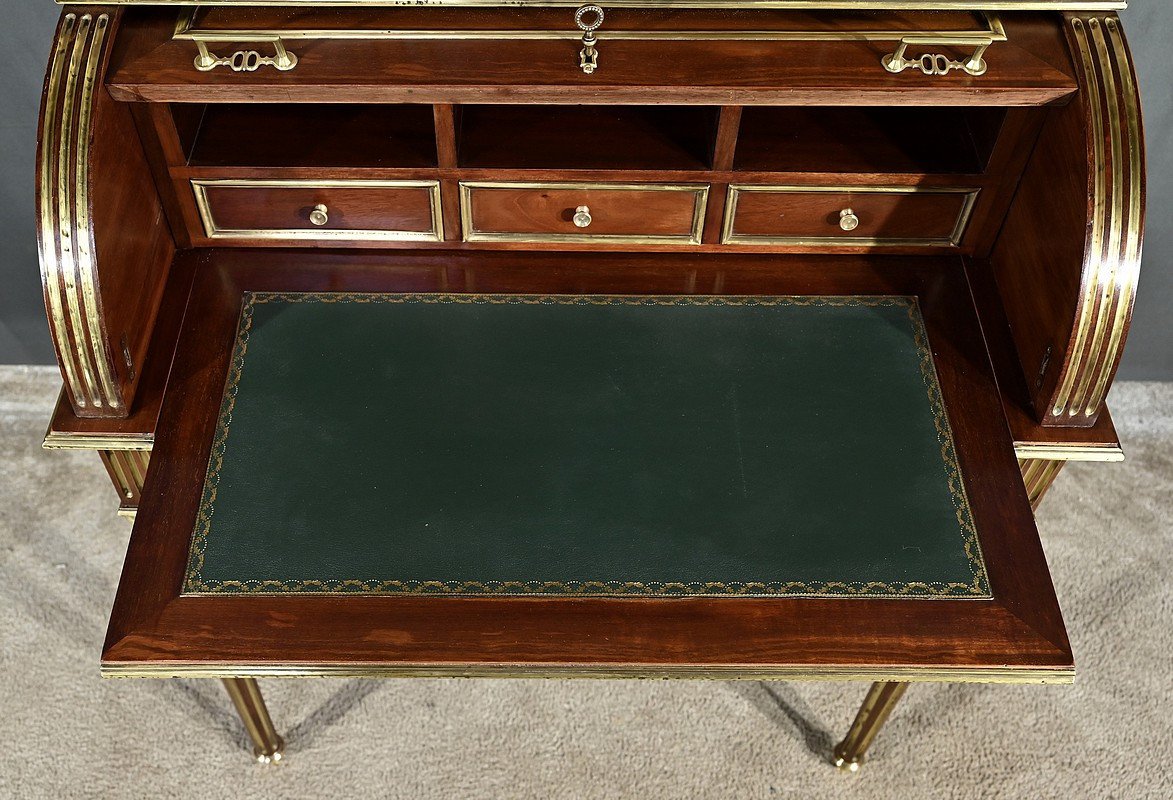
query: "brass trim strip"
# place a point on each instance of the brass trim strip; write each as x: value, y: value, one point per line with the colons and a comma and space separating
x: 1107, y: 283
x: 735, y: 190
x: 67, y: 265
x: 213, y: 231
x: 1037, y: 476
x: 1095, y: 253
x: 48, y: 172
x: 65, y: 222
x: 123, y: 479
x: 1034, y: 675
x: 1112, y: 269
x: 795, y: 5
x: 186, y: 30
x: 471, y: 234
x: 1128, y: 273
x: 136, y: 464
x: 1062, y: 452
x: 55, y: 440
x: 84, y: 257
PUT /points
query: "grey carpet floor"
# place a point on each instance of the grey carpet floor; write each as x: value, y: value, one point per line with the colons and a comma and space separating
x: 66, y: 732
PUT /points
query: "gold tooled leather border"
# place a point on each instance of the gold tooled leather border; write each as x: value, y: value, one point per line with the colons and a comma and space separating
x: 977, y: 588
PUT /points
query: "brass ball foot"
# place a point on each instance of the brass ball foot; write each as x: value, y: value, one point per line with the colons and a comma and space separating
x: 271, y: 755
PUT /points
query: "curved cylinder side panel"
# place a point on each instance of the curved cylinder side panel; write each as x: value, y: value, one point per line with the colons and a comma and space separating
x: 1068, y: 258
x: 104, y: 247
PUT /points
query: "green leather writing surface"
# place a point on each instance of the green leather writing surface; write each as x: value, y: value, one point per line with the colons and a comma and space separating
x: 490, y: 444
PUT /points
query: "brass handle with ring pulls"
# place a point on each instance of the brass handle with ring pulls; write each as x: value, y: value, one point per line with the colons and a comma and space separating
x: 242, y: 60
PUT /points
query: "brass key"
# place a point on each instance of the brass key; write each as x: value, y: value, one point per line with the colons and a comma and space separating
x: 588, y: 19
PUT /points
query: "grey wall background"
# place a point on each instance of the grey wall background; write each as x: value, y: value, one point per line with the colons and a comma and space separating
x: 24, y: 41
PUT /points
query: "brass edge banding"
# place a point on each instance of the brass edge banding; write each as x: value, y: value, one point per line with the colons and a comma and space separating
x: 186, y: 30
x: 213, y: 231
x: 1095, y: 236
x: 1106, y: 280
x: 55, y: 440
x: 84, y: 257
x: 65, y: 228
x: 1108, y: 283
x: 1034, y: 675
x: 795, y: 5
x: 728, y: 236
x: 48, y: 171
x: 67, y: 264
x: 694, y: 237
x: 1127, y: 273
x: 1059, y: 452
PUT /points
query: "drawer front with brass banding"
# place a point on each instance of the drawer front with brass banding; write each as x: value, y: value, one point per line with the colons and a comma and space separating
x: 341, y: 210
x: 654, y: 213
x: 895, y: 216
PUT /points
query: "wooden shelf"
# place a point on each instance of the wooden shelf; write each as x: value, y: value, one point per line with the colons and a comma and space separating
x: 586, y: 137
x: 294, y: 135
x: 871, y: 140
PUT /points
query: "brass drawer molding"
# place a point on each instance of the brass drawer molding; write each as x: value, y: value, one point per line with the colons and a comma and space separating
x: 581, y: 216
x: 242, y: 60
x: 189, y: 27
x: 846, y: 220
x: 587, y: 20
x: 319, y: 215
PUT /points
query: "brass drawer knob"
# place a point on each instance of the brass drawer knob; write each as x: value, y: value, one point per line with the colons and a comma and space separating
x: 847, y: 220
x: 582, y: 216
x: 320, y: 216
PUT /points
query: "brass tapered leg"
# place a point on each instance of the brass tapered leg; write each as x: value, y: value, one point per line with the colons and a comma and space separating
x: 881, y: 699
x: 246, y: 695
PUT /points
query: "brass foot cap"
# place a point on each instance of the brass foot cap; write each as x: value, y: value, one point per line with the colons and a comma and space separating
x: 846, y: 764
x: 271, y: 756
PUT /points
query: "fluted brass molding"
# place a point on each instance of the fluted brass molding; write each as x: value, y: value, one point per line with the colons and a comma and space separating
x: 1038, y: 475
x: 128, y: 469
x: 58, y: 440
x: 797, y: 5
x: 1112, y: 263
x: 66, y: 245
x: 1067, y: 452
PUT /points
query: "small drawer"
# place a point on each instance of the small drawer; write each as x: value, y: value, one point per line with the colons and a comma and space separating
x: 904, y: 216
x: 323, y: 210
x: 650, y: 213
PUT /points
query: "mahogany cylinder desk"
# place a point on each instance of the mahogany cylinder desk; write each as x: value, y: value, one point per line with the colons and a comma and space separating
x: 694, y: 338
